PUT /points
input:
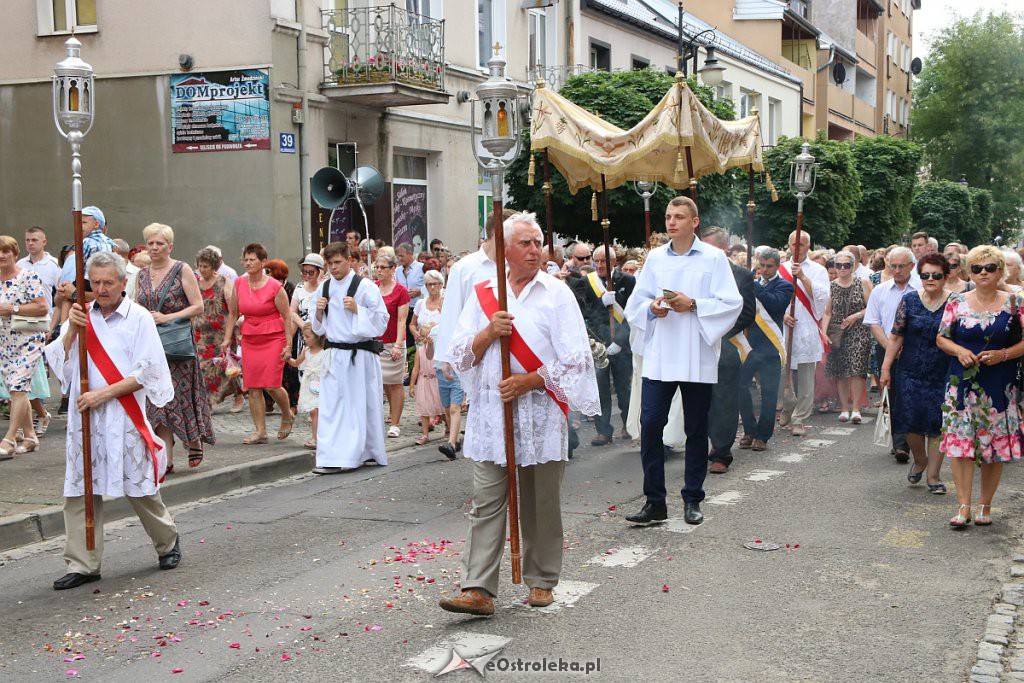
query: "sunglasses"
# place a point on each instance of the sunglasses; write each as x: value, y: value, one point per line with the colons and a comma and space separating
x: 953, y: 265
x: 582, y: 258
x: 932, y: 276
x: 844, y: 266
x: 988, y: 268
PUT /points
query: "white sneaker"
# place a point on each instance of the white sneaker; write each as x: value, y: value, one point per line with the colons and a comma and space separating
x: 393, y: 431
x: 855, y: 417
x: 844, y: 416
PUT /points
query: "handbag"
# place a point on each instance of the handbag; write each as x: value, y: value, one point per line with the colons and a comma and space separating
x: 835, y: 331
x: 1014, y: 338
x: 176, y: 335
x: 883, y: 422
x: 29, y: 324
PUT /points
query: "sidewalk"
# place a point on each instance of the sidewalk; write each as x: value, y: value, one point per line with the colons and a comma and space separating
x: 31, y: 484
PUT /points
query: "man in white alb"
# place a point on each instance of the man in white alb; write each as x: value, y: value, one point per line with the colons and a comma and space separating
x: 350, y: 429
x: 552, y: 372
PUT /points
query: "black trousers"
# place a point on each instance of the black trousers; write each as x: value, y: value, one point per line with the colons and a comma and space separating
x: 620, y: 373
x: 724, y: 419
x: 656, y: 399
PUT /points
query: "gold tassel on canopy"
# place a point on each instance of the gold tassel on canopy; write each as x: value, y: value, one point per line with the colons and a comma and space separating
x: 531, y: 170
x: 771, y: 186
x: 680, y: 168
x: 593, y: 207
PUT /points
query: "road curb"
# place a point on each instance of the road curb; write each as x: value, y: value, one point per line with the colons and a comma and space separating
x: 48, y: 522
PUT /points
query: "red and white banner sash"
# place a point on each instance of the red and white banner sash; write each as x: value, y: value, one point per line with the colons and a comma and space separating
x: 130, y: 404
x: 517, y: 345
x: 801, y: 296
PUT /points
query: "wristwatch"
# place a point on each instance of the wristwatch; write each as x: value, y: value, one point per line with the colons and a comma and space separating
x: 693, y: 305
x: 16, y: 308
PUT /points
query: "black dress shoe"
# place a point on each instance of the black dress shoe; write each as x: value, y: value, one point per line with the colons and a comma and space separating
x: 73, y: 580
x: 649, y: 514
x: 692, y: 514
x: 448, y: 449
x: 173, y: 558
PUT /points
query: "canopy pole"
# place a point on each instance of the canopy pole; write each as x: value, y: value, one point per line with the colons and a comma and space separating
x: 606, y: 232
x: 750, y: 217
x: 689, y: 173
x: 548, y: 211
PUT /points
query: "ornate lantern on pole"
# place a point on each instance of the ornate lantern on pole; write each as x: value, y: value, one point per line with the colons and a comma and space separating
x: 73, y: 107
x: 495, y: 146
x: 646, y: 190
x: 803, y: 175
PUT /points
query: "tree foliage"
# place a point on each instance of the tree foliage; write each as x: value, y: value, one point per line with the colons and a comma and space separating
x: 967, y: 105
x: 829, y: 213
x: 981, y: 216
x: 888, y: 173
x: 623, y: 98
x: 943, y: 209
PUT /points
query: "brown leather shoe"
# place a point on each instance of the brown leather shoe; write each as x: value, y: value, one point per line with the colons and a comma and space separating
x: 758, y: 445
x: 471, y: 601
x: 540, y: 597
x: 746, y: 441
x: 601, y: 440
x: 799, y: 430
x: 718, y: 468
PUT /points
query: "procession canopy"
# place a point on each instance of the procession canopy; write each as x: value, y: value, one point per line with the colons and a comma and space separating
x: 584, y: 147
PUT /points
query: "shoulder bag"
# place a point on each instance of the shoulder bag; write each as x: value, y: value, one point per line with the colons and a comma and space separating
x: 835, y: 329
x: 176, y: 335
x: 1015, y: 334
x: 29, y: 324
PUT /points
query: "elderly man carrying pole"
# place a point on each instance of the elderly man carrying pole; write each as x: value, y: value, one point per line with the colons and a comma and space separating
x: 127, y: 367
x: 552, y: 372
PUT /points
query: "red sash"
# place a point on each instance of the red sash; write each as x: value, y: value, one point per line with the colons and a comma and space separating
x: 801, y: 296
x: 131, y: 406
x: 517, y: 345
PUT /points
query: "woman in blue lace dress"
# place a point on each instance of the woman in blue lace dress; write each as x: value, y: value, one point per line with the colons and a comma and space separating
x: 919, y: 376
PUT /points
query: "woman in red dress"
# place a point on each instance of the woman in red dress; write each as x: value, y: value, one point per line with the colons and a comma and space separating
x: 266, y: 326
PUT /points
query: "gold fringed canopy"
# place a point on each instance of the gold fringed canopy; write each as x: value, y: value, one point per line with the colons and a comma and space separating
x: 583, y: 147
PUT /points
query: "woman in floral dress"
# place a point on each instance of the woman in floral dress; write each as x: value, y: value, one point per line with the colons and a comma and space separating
x: 981, y: 423
x: 216, y: 292
x: 187, y: 416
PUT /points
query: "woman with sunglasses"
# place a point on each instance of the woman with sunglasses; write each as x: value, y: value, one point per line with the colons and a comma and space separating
x: 981, y: 425
x: 957, y: 281
x: 847, y: 362
x: 918, y: 413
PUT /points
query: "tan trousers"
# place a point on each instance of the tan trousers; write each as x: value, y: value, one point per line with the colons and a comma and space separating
x: 540, y: 521
x: 152, y: 513
x: 799, y: 406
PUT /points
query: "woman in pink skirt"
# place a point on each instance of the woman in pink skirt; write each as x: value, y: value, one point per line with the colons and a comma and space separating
x: 423, y: 383
x: 266, y: 326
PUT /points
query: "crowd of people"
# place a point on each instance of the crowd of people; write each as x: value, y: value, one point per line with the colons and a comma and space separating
x: 696, y: 347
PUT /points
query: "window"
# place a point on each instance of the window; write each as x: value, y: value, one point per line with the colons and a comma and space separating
x: 538, y: 38
x: 888, y: 45
x: 774, y: 117
x: 56, y: 17
x: 746, y: 102
x: 490, y: 16
x: 638, y: 63
x: 723, y: 91
x: 600, y: 55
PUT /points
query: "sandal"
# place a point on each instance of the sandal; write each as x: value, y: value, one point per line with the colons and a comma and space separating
x: 962, y: 518
x: 28, y: 444
x: 195, y: 456
x: 393, y: 431
x: 422, y: 439
x: 254, y: 439
x: 938, y: 489
x: 44, y: 424
x: 914, y: 477
x: 286, y: 427
x: 981, y: 518
x: 310, y: 444
x: 7, y: 453
x: 169, y: 470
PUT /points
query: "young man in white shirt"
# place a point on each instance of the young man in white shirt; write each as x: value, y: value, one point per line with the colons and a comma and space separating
x: 41, y: 263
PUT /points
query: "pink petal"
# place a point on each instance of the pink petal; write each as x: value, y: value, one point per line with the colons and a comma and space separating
x: 71, y: 672
x: 176, y: 671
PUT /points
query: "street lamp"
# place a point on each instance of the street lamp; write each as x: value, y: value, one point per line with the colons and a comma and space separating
x: 803, y: 176
x: 495, y: 146
x: 73, y: 107
x: 711, y: 73
x: 646, y: 189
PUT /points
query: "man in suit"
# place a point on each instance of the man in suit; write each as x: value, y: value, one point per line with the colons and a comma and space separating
x: 600, y: 307
x: 767, y: 351
x: 724, y: 418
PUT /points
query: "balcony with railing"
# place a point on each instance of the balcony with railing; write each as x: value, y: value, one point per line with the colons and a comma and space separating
x: 556, y: 76
x: 384, y: 57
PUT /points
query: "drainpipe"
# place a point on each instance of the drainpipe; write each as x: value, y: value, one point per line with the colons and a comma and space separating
x: 831, y: 59
x: 305, y: 227
x: 800, y: 111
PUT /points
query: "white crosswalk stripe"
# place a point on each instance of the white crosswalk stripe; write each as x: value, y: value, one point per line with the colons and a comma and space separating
x: 725, y: 498
x: 838, y: 431
x: 816, y: 443
x: 791, y: 458
x: 629, y: 556
x: 763, y: 475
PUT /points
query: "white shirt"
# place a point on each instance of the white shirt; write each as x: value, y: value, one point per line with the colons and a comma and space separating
x: 883, y: 302
x: 48, y: 271
x: 863, y: 272
x: 341, y: 325
x: 684, y: 347
x: 807, y: 344
x: 227, y: 271
x: 466, y: 272
x: 133, y: 279
x: 122, y: 465
x: 547, y: 310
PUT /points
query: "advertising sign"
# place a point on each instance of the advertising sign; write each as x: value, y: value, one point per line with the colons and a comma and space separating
x: 220, y: 111
x: 410, y: 216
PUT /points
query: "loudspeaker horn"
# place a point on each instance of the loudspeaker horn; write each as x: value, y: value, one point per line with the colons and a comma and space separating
x: 370, y: 184
x: 330, y: 187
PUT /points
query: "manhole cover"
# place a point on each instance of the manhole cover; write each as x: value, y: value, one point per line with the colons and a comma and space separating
x: 761, y: 545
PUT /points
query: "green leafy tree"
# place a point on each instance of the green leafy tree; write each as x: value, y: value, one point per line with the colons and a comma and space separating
x: 888, y: 173
x: 980, y: 230
x: 944, y: 210
x: 623, y: 98
x: 829, y: 213
x: 967, y: 105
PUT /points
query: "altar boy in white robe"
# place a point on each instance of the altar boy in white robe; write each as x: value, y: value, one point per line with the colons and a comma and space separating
x: 350, y: 429
x: 127, y: 367
x: 552, y: 372
x: 685, y: 299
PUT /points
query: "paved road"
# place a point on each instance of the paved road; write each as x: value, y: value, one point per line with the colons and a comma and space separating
x: 338, y: 577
